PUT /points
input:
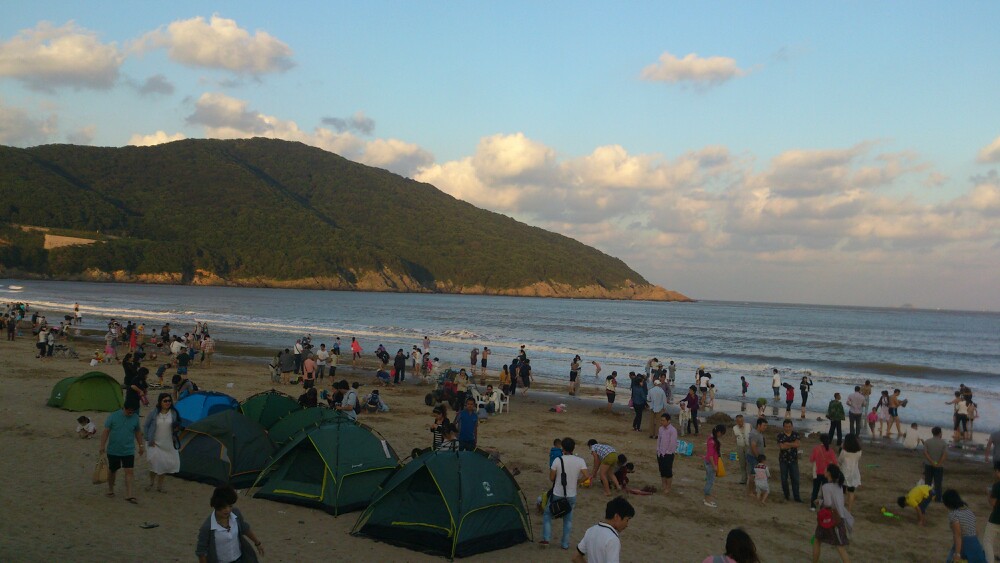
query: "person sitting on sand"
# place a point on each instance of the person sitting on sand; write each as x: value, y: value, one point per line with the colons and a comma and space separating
x: 382, y: 377
x: 310, y: 398
x: 912, y: 437
x: 374, y: 403
x: 85, y: 428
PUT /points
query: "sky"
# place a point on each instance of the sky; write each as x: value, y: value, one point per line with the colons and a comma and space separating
x: 804, y: 152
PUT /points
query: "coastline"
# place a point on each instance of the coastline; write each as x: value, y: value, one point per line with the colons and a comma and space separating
x: 40, y: 436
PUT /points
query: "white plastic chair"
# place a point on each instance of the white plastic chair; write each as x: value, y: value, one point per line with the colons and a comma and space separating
x: 503, y: 401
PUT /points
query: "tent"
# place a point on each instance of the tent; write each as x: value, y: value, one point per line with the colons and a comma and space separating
x: 290, y: 425
x: 200, y: 404
x: 92, y: 391
x: 225, y: 447
x: 268, y: 407
x: 448, y: 503
x: 336, y: 465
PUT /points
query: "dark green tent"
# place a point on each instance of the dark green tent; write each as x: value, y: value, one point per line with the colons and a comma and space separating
x: 268, y: 407
x: 294, y: 422
x: 92, y: 391
x: 454, y: 504
x: 336, y: 465
x: 224, y: 448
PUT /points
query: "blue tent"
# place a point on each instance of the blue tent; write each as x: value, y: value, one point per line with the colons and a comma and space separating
x: 200, y: 404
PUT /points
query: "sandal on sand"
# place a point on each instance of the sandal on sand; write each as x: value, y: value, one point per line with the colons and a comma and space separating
x: 149, y: 525
x: 109, y: 494
x: 132, y: 500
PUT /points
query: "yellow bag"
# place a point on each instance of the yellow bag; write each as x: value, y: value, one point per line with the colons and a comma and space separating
x: 101, y: 471
x: 720, y: 470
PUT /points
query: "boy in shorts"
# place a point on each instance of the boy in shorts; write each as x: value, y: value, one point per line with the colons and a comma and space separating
x: 919, y: 498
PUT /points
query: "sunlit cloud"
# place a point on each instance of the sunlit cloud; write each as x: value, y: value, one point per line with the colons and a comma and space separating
x: 219, y: 43
x: 47, y: 57
x: 157, y: 138
x: 19, y: 128
x: 990, y: 153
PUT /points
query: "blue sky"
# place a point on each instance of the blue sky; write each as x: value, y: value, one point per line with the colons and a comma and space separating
x: 828, y: 153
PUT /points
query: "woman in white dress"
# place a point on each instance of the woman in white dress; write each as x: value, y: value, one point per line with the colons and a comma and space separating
x: 161, y: 428
x: 849, y: 460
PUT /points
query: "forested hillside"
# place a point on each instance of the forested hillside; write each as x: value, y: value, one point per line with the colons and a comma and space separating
x: 276, y: 213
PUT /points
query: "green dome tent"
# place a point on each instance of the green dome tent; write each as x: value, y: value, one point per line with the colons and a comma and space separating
x: 268, y: 407
x: 92, y: 391
x: 294, y: 422
x: 224, y: 448
x: 448, y: 503
x: 336, y: 465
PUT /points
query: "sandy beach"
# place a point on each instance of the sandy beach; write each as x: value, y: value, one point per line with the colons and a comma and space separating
x: 52, y: 511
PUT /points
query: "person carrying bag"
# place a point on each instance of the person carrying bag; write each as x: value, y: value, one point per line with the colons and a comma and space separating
x: 560, y: 507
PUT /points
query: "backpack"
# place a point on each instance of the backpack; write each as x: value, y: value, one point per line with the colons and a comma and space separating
x: 826, y: 518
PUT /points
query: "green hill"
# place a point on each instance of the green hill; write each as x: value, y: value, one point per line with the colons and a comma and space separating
x: 264, y: 212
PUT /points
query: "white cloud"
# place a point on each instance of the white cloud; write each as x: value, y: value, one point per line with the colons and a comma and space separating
x: 394, y: 154
x: 219, y: 43
x: 156, y: 84
x: 158, y: 138
x: 699, y: 71
x: 990, y: 153
x: 226, y: 117
x: 82, y: 136
x: 47, y: 57
x: 17, y: 128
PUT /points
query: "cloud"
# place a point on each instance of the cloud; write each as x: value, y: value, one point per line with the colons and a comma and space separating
x: 158, y: 138
x: 17, y: 128
x: 156, y: 84
x: 219, y: 43
x: 47, y: 57
x: 358, y: 122
x: 393, y: 154
x: 82, y: 136
x: 692, y: 69
x: 708, y: 213
x: 990, y: 154
x: 226, y: 117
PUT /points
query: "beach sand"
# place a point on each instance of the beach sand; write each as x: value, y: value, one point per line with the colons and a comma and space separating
x: 51, y: 511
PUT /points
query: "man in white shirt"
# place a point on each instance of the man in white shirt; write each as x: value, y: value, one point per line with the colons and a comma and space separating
x: 321, y: 357
x: 856, y: 410
x: 574, y: 468
x: 602, y: 542
x: 741, y: 431
x: 657, y: 400
x: 776, y: 384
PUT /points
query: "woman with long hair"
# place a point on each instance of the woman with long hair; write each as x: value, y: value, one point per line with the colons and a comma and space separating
x: 161, y: 429
x: 836, y: 532
x: 639, y: 395
x: 965, y: 544
x: 822, y: 456
x: 739, y: 549
x: 850, y: 465
x: 712, y: 448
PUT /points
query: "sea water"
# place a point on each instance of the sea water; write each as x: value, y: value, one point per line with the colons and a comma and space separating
x: 926, y: 354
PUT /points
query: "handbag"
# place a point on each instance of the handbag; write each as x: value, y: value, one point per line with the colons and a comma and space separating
x: 560, y: 507
x: 101, y: 471
x: 720, y: 469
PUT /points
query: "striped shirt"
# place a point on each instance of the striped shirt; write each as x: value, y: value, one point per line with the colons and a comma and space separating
x: 966, y: 521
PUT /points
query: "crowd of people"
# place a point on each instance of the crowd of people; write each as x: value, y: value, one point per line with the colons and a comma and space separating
x: 834, y: 463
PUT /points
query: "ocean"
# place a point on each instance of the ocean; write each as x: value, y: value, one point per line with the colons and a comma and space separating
x: 925, y: 353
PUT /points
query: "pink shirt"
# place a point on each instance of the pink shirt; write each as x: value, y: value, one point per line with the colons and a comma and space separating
x: 822, y: 457
x: 710, y: 453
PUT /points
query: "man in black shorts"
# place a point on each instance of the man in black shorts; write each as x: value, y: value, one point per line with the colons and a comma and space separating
x: 121, y: 434
x: 666, y: 448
